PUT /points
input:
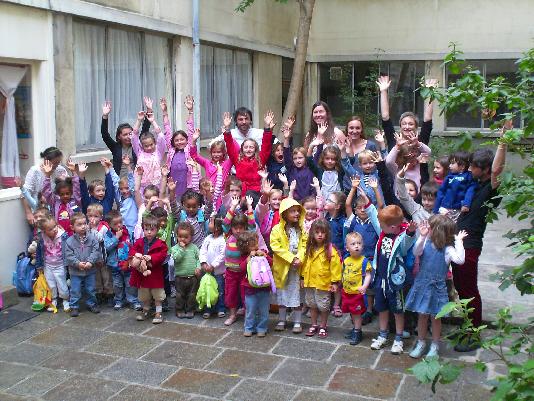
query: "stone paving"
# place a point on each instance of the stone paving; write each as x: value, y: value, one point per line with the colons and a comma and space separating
x: 112, y: 356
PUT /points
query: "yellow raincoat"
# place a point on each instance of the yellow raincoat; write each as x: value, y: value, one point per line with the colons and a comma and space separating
x: 318, y: 273
x: 282, y: 258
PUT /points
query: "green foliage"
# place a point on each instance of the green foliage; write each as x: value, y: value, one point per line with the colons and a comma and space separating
x: 430, y: 370
x: 244, y: 4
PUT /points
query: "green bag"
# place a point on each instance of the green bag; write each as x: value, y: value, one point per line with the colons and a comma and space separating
x: 208, y: 292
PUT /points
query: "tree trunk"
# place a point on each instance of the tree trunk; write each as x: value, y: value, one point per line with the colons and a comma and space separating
x: 299, y: 65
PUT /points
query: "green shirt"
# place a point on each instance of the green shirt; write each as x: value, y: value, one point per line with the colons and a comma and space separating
x: 186, y: 260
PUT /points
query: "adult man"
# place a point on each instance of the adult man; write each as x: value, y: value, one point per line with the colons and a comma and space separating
x: 486, y: 169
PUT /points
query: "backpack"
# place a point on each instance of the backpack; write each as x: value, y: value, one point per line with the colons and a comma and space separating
x: 123, y: 248
x: 259, y: 273
x: 42, y: 297
x: 208, y: 291
x: 24, y: 275
x: 401, y: 274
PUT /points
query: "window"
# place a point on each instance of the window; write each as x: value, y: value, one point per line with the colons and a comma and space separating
x: 489, y: 69
x: 225, y: 85
x: 338, y: 81
x: 121, y: 66
x: 15, y: 81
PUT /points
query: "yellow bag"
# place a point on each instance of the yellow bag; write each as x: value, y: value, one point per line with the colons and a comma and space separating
x: 42, y: 296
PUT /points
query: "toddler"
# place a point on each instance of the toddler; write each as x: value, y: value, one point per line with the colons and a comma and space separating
x: 98, y: 191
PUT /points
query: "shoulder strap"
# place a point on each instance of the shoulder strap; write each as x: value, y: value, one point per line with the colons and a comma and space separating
x: 364, y: 266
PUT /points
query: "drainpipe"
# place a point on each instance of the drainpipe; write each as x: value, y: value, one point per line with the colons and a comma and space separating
x: 196, y: 64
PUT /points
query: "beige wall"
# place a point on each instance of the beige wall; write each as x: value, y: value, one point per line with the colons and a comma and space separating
x: 419, y: 29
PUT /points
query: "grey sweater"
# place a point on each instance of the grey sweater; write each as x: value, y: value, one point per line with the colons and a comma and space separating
x: 82, y: 250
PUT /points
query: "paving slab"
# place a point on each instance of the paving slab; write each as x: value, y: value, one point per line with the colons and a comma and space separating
x: 257, y: 390
x: 243, y: 363
x: 130, y: 325
x: 474, y: 392
x: 200, y: 382
x: 321, y: 395
x: 304, y: 348
x: 79, y: 362
x: 68, y: 337
x: 11, y: 374
x: 236, y: 340
x: 21, y: 332
x: 411, y: 387
x: 11, y: 397
x: 395, y: 363
x: 27, y: 353
x: 92, y: 320
x: 39, y: 383
x: 139, y: 372
x: 81, y: 388
x: 138, y: 393
x: 303, y: 373
x: 183, y: 354
x: 354, y: 355
x: 127, y: 346
x: 187, y: 333
x: 365, y: 382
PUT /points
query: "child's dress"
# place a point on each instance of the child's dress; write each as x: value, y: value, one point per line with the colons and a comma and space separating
x: 151, y: 162
x: 429, y: 290
x: 62, y: 212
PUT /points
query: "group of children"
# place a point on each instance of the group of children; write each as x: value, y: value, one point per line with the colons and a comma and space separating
x: 347, y: 226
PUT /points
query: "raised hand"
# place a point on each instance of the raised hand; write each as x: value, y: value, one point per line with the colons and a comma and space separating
x: 289, y: 123
x: 424, y: 228
x: 227, y: 120
x: 379, y: 136
x: 412, y: 138
x: 423, y: 158
x: 400, y: 139
x: 461, y: 235
x: 293, y: 185
x: 464, y: 209
x: 266, y: 187
x: 249, y: 200
x: 140, y: 115
x: 47, y: 168
x: 82, y: 168
x: 373, y: 183
x: 234, y: 201
x: 355, y: 181
x: 139, y: 170
x: 71, y: 165
x: 171, y: 185
x: 263, y: 173
x: 321, y: 129
x: 383, y: 83
x: 287, y: 132
x: 196, y: 134
x: 106, y: 108
x: 106, y: 163
x: 402, y: 171
x: 431, y: 83
x: 268, y: 119
x: 376, y: 157
x: 315, y: 183
x: 150, y: 117
x: 412, y: 226
x: 148, y: 103
x: 283, y: 178
x: 163, y: 105
x: 164, y: 170
x: 189, y: 102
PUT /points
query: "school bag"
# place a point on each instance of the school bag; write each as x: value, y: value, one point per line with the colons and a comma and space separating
x: 401, y: 275
x: 24, y: 275
x: 208, y: 292
x: 42, y: 296
x: 123, y: 248
x: 259, y: 273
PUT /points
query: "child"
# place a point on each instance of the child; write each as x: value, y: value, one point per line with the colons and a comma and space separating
x: 267, y: 210
x: 236, y: 224
x: 275, y: 166
x: 82, y: 252
x: 212, y: 261
x: 124, y: 195
x: 104, y: 284
x: 313, y: 206
x: 288, y: 243
x: 257, y: 300
x: 458, y: 189
x: 98, y: 191
x: 321, y: 274
x: 356, y: 278
x: 66, y: 200
x: 179, y: 146
x: 326, y: 166
x: 117, y: 244
x: 149, y: 151
x: 187, y: 271
x: 50, y: 255
x: 248, y: 159
x: 441, y: 169
x: 149, y: 198
x: 437, y: 246
x: 150, y: 287
x: 395, y: 239
x: 418, y: 212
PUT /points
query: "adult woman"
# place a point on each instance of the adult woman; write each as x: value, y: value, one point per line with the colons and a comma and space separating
x: 320, y: 115
x: 33, y: 183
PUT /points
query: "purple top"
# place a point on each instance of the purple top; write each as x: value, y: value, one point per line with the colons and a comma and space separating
x: 179, y: 173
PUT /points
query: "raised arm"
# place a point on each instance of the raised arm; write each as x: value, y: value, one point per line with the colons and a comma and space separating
x: 136, y: 144
x: 104, y: 128
x: 383, y: 83
x: 499, y: 160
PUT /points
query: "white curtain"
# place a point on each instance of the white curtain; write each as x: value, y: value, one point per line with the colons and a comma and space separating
x: 89, y: 82
x: 226, y: 84
x: 124, y: 75
x: 157, y: 77
x: 10, y: 78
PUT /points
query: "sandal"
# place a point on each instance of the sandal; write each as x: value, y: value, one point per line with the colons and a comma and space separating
x: 231, y: 320
x: 337, y: 311
x: 322, y: 332
x: 312, y: 330
x: 157, y: 319
x: 281, y: 326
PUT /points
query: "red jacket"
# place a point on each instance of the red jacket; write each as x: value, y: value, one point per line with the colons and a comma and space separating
x: 158, y: 252
x: 247, y: 169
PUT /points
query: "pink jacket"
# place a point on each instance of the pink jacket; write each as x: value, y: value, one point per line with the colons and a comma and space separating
x: 193, y: 176
x: 211, y: 172
x: 151, y: 162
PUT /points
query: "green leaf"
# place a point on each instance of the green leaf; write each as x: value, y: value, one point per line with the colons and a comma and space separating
x: 446, y: 309
x: 480, y: 366
x: 449, y: 373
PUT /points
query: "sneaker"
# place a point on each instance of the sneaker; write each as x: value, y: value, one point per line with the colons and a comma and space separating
x: 74, y: 312
x: 189, y: 315
x: 260, y: 334
x: 297, y: 328
x: 138, y: 307
x: 418, y: 349
x: 66, y: 306
x: 142, y: 316
x: 433, y: 351
x: 157, y: 319
x: 206, y: 315
x: 247, y: 333
x: 52, y: 307
x: 110, y: 301
x: 117, y: 306
x: 379, y: 343
x: 94, y: 309
x: 221, y: 314
x: 397, y: 347
x: 356, y: 337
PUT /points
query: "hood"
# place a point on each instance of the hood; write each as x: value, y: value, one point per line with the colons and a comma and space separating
x: 288, y: 203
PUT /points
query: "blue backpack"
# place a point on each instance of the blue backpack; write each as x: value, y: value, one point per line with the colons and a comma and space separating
x: 24, y: 275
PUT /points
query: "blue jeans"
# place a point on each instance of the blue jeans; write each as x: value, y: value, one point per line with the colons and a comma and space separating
x: 219, y: 306
x: 89, y: 283
x: 121, y: 287
x: 257, y: 311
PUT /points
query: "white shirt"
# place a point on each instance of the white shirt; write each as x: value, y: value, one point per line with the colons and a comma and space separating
x: 253, y: 133
x: 212, y: 253
x: 35, y: 179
